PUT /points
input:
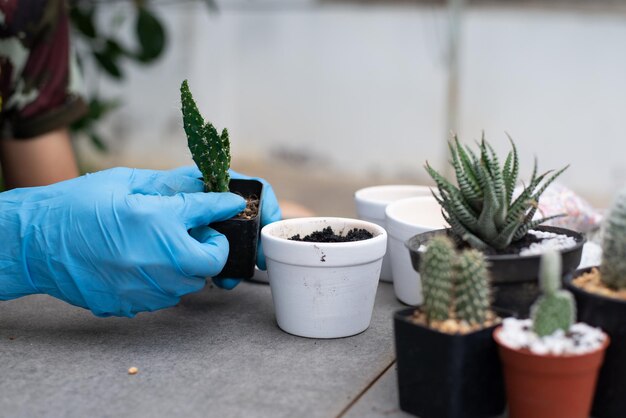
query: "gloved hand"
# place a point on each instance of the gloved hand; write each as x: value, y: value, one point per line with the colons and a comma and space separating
x: 114, y: 242
x: 270, y: 212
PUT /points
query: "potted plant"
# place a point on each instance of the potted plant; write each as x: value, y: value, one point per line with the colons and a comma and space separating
x: 483, y: 213
x: 371, y: 203
x: 211, y: 153
x: 550, y: 363
x: 323, y: 274
x: 447, y: 360
x: 600, y: 293
x: 404, y: 219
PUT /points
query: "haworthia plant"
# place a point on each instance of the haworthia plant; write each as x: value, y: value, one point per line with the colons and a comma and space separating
x: 210, y: 151
x: 437, y: 274
x: 613, y: 266
x: 480, y: 209
x: 454, y: 285
x: 555, y: 309
x: 472, y: 289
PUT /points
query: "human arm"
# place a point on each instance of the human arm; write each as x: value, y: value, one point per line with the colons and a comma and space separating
x: 45, y: 159
x: 115, y: 242
x: 39, y: 92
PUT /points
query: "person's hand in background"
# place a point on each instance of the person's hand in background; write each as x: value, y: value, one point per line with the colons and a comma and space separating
x: 115, y: 242
x: 270, y: 212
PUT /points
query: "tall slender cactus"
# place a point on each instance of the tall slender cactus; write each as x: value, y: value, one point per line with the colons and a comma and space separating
x: 210, y: 151
x: 555, y: 309
x: 613, y: 266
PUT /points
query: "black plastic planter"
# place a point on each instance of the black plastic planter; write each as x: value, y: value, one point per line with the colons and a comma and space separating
x: 515, y: 284
x: 242, y: 234
x: 447, y: 376
x: 610, y: 315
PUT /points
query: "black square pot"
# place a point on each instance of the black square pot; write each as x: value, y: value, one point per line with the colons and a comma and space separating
x: 242, y: 234
x: 609, y: 314
x: 447, y: 376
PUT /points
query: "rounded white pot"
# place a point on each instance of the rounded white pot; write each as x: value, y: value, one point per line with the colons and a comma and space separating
x: 406, y: 218
x: 323, y: 290
x: 371, y: 203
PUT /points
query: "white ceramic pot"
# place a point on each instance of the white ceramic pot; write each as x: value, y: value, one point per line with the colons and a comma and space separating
x: 323, y: 290
x: 370, y: 206
x: 406, y: 218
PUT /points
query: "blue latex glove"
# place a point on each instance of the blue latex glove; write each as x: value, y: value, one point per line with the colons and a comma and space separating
x: 270, y: 212
x: 114, y: 242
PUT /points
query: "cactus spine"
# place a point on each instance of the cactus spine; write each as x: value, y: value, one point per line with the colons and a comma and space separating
x: 613, y: 266
x: 437, y: 272
x: 555, y: 308
x: 455, y: 286
x: 210, y: 151
x: 472, y: 293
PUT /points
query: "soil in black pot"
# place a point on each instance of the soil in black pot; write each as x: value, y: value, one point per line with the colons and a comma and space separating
x: 252, y: 208
x: 328, y: 235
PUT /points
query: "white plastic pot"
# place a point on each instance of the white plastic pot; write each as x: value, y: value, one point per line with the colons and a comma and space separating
x: 371, y: 203
x: 406, y: 218
x: 323, y: 290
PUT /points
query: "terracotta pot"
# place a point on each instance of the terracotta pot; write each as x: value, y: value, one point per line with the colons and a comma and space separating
x: 547, y: 386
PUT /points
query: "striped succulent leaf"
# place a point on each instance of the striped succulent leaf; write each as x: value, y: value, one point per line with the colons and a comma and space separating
x: 480, y: 208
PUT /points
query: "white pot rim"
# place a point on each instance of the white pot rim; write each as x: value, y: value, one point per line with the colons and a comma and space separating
x: 372, y: 194
x: 398, y: 223
x: 278, y: 247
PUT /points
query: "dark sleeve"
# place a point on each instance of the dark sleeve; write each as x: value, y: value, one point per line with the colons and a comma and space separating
x: 39, y: 79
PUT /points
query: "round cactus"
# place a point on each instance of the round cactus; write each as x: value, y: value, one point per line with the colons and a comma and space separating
x: 437, y: 273
x: 472, y: 291
x: 555, y: 309
x: 613, y: 267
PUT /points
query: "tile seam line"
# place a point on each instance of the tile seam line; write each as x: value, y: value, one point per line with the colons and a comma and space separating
x: 358, y: 397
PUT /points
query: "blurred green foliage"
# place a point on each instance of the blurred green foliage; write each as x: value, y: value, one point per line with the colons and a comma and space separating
x: 99, y: 46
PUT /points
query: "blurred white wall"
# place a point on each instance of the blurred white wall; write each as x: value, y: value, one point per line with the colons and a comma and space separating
x: 364, y: 88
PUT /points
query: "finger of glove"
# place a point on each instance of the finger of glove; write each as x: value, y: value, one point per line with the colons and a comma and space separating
x: 227, y: 284
x: 163, y: 183
x: 188, y: 171
x: 198, y: 209
x: 206, y: 252
x: 270, y: 211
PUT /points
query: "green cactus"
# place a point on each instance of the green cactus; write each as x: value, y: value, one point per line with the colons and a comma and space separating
x: 437, y: 274
x: 472, y: 289
x: 555, y: 308
x: 210, y: 151
x: 613, y: 266
x: 481, y: 209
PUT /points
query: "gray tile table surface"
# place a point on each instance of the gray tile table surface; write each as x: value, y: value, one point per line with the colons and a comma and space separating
x: 217, y: 354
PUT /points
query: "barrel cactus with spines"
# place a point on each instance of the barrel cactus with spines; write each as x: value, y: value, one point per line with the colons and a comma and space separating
x: 472, y: 287
x: 555, y: 309
x: 210, y: 151
x: 613, y: 266
x: 437, y: 274
x: 480, y: 209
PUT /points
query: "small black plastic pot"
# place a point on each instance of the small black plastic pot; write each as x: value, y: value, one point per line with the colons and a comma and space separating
x: 242, y: 234
x: 514, y: 277
x: 447, y: 376
x: 610, y: 315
